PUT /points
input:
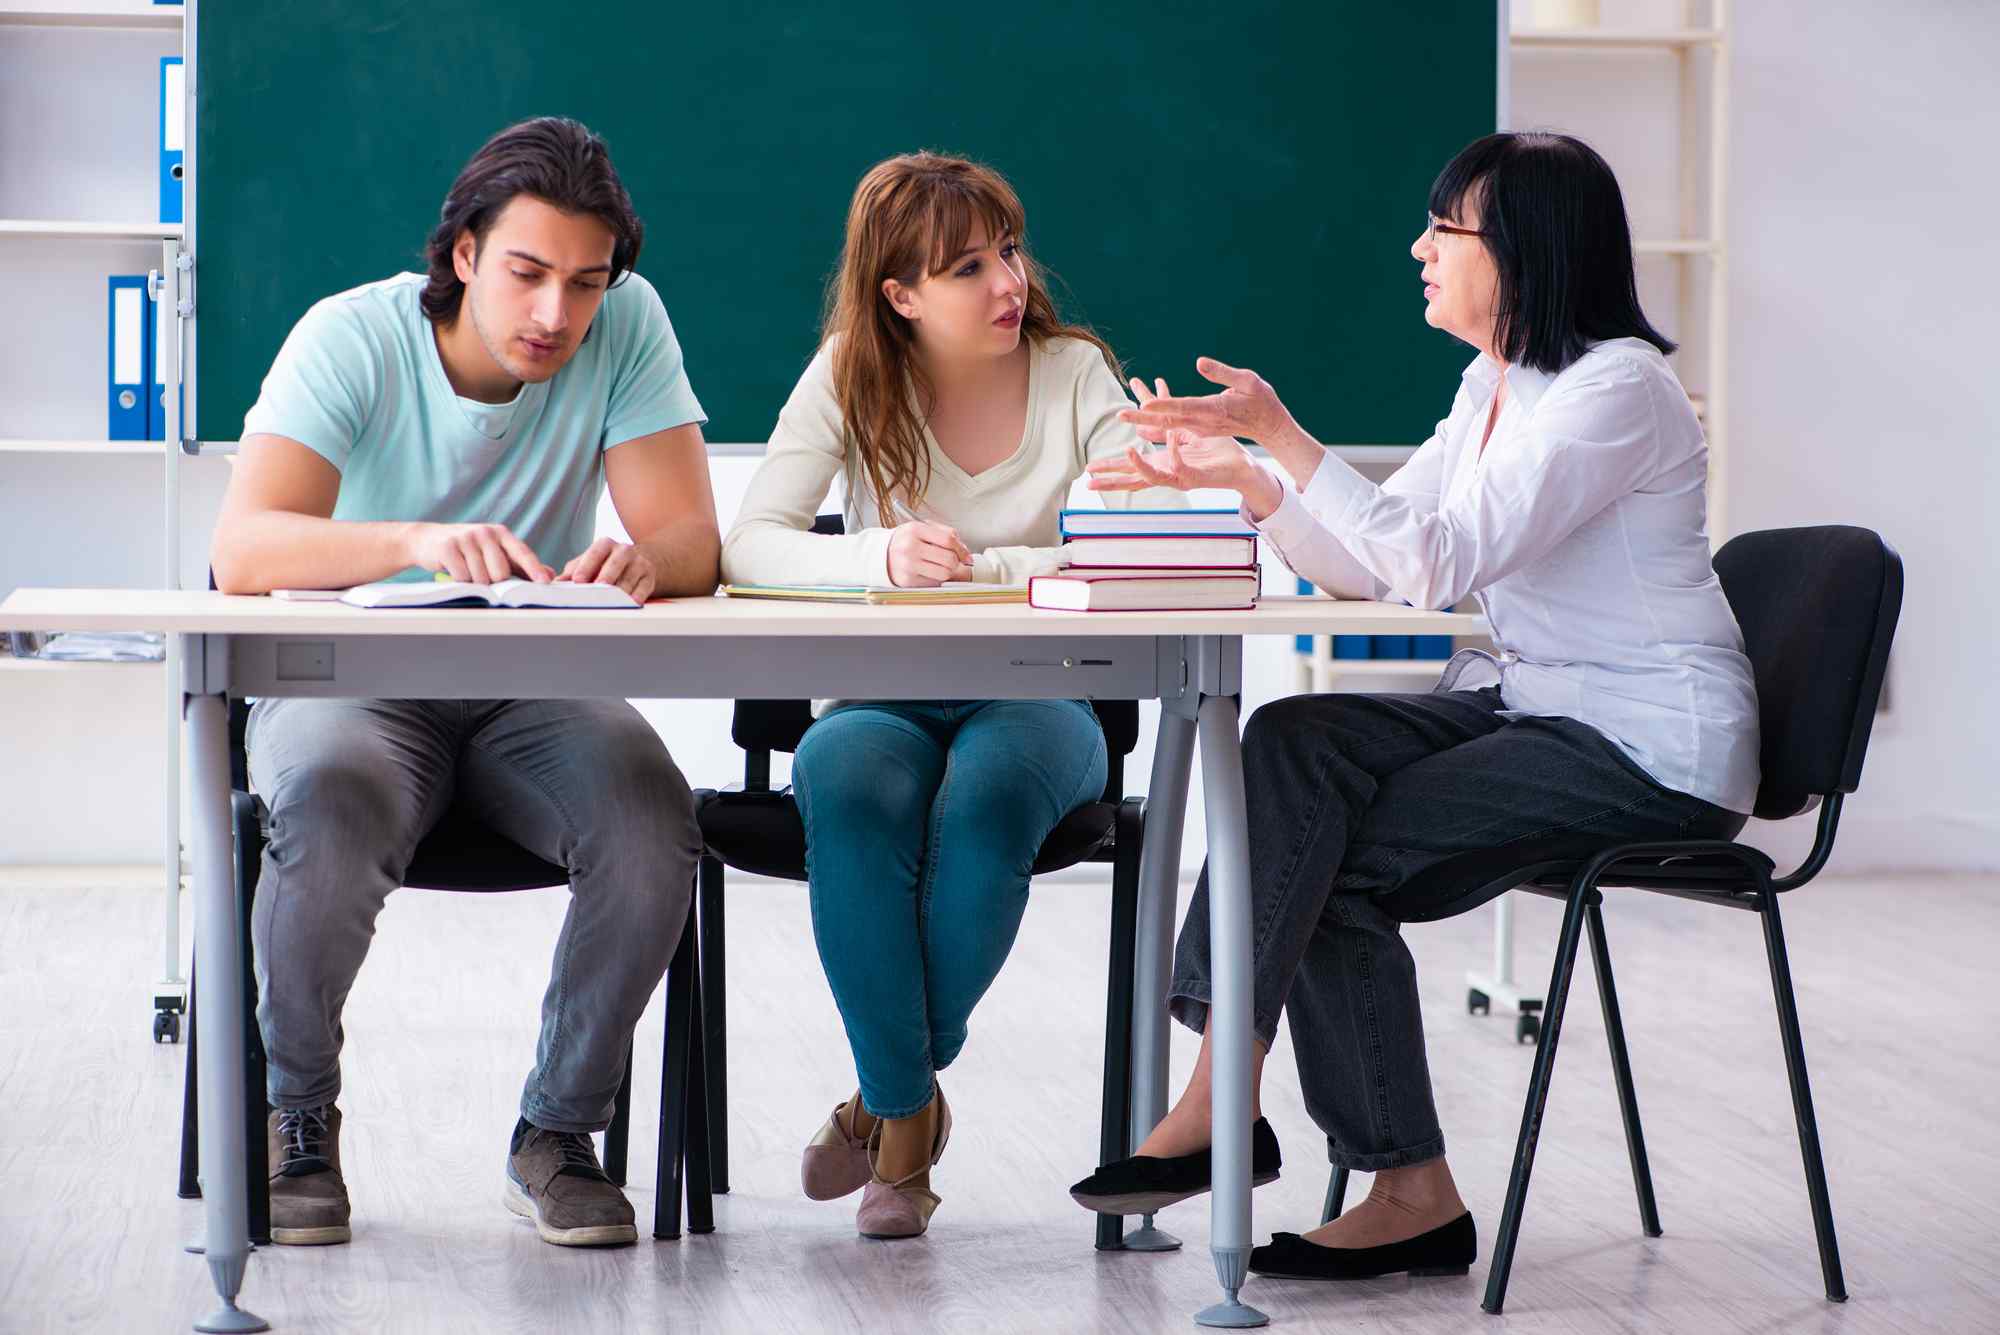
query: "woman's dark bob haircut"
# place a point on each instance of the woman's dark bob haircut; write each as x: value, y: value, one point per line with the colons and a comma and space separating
x: 1554, y: 222
x: 552, y: 158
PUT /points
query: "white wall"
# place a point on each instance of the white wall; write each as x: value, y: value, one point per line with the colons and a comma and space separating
x: 1860, y: 183
x: 1862, y: 302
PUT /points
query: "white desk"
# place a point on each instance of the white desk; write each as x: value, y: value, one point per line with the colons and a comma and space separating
x: 719, y: 648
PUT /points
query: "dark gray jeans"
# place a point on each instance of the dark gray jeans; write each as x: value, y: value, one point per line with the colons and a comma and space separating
x: 353, y: 785
x: 1348, y: 797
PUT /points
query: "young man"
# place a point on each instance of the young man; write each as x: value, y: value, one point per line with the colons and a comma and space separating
x: 467, y: 421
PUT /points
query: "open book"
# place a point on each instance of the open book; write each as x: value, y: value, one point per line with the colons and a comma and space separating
x: 960, y: 591
x: 506, y: 593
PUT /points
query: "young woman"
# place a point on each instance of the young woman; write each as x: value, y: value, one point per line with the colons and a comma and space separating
x: 1565, y: 491
x: 958, y: 409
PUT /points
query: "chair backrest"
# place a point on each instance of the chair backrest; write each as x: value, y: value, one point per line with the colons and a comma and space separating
x: 763, y: 726
x: 1818, y: 609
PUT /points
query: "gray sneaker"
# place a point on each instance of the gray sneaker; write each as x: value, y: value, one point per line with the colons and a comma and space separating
x: 553, y: 1178
x: 308, y: 1194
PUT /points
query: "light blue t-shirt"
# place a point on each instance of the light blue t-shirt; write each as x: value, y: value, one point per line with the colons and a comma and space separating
x: 359, y: 383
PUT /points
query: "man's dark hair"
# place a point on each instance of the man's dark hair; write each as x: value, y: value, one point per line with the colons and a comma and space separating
x: 1554, y: 221
x: 552, y: 158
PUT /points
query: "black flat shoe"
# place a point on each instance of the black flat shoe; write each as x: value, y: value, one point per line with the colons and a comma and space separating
x: 1448, y: 1249
x: 1143, y: 1184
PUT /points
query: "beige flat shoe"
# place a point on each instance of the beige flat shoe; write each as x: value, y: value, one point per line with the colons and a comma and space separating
x: 835, y: 1163
x: 897, y: 1209
x: 894, y: 1209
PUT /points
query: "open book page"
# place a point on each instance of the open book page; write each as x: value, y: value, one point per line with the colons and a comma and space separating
x: 506, y: 593
x: 559, y: 593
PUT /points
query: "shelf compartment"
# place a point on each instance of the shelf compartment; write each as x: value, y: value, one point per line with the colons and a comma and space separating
x: 1687, y: 246
x: 79, y: 229
x: 1611, y: 39
x: 88, y: 447
x: 96, y: 14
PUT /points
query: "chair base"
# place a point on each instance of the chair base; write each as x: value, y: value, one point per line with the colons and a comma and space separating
x: 1584, y: 909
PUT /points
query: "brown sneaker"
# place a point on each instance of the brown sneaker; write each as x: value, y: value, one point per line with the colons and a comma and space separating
x: 308, y: 1194
x: 553, y: 1178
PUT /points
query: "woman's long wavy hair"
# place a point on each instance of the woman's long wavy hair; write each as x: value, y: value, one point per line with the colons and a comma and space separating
x: 910, y: 218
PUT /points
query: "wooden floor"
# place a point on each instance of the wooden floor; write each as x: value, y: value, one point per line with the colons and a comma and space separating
x: 1894, y: 990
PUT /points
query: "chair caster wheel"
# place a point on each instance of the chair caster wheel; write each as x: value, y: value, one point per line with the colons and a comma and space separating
x: 1477, y: 1002
x: 166, y: 1027
x: 1528, y: 1029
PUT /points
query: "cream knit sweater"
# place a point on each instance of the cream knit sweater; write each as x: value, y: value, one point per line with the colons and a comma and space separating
x: 1007, y: 515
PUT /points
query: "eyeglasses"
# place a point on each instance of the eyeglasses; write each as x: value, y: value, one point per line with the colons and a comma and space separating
x: 1432, y: 227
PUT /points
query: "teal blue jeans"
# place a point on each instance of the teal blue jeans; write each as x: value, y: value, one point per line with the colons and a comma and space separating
x: 922, y: 822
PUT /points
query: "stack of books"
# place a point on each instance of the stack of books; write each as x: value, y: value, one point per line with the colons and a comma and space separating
x: 1152, y: 561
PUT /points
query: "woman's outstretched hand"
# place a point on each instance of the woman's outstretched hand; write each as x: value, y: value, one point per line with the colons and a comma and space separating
x: 1188, y: 462
x: 1247, y: 406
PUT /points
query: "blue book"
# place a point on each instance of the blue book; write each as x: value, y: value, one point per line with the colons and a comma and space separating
x: 1096, y: 523
x: 128, y: 355
x: 1392, y: 646
x: 1344, y: 646
x: 1432, y: 646
x: 173, y: 126
x: 1303, y: 643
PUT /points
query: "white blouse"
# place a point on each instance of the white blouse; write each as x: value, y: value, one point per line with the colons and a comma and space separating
x: 1582, y: 530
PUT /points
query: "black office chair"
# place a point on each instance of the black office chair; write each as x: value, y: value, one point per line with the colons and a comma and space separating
x: 756, y: 829
x: 1818, y: 609
x: 462, y: 853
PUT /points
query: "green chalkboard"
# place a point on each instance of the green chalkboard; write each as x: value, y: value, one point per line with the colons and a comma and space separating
x: 1240, y: 180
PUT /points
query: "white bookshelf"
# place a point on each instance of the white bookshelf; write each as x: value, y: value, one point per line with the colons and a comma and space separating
x: 1696, y: 42
x: 79, y: 190
x: 1611, y: 71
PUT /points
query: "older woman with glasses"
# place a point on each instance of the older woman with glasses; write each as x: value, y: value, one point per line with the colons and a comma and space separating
x: 1564, y: 491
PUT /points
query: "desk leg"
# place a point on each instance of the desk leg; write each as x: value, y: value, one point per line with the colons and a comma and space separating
x: 1229, y: 1009
x: 225, y: 1194
x: 1159, y: 887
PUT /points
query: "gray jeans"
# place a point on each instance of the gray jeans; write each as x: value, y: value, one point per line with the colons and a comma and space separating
x: 353, y: 785
x: 1348, y: 797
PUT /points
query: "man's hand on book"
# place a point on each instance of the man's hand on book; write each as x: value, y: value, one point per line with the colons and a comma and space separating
x: 475, y: 553
x: 609, y: 562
